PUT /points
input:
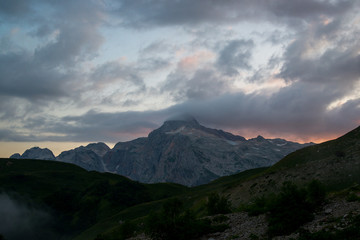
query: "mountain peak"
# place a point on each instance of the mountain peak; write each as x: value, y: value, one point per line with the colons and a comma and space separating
x: 36, y: 153
x: 180, y: 121
x: 260, y: 138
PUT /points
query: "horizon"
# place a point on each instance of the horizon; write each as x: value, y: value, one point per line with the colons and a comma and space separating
x: 113, y: 70
x: 57, y: 148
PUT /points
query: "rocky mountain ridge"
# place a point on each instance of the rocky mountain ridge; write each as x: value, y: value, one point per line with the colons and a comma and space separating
x: 180, y: 151
x: 35, y: 153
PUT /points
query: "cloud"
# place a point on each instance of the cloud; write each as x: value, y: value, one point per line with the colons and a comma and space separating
x: 47, y: 65
x: 13, y: 8
x: 52, y: 65
x: 20, y: 221
x: 298, y: 111
x: 23, y: 77
x: 153, y: 64
x: 336, y: 68
x: 308, y: 9
x: 204, y: 83
x: 156, y: 47
x: 152, y: 13
x: 116, y: 72
x: 235, y: 56
x: 110, y: 127
x: 195, y: 77
x: 327, y: 56
x: 72, y: 44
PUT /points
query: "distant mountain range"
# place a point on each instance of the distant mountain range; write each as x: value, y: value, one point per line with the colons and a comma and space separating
x: 86, y: 205
x: 180, y: 151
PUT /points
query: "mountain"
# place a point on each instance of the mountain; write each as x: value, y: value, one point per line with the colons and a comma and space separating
x: 180, y: 151
x: 93, y: 205
x: 185, y: 152
x: 35, y: 153
x: 88, y: 157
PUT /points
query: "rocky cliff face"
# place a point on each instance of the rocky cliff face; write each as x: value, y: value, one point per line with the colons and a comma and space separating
x: 89, y: 157
x: 183, y: 151
x: 35, y: 153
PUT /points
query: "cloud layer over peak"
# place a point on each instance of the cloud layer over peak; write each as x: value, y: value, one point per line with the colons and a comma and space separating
x: 115, y: 69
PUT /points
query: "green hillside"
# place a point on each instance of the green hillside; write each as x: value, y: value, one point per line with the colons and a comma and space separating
x: 89, y: 205
x: 78, y: 198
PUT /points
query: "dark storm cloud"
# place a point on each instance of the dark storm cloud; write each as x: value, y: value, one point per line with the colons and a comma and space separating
x: 297, y: 110
x: 78, y: 37
x: 149, y: 13
x: 308, y: 9
x: 73, y: 44
x: 12, y: 8
x: 69, y: 32
x: 144, y: 13
x: 94, y: 125
x: 47, y: 71
x: 235, y: 55
x: 23, y: 77
x: 91, y: 126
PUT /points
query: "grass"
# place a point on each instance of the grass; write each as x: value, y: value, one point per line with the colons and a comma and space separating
x: 71, y: 192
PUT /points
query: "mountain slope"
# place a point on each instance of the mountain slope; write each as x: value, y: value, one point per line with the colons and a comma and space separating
x: 35, y: 153
x: 101, y: 200
x: 72, y: 198
x: 89, y: 157
x: 183, y: 151
x: 336, y: 163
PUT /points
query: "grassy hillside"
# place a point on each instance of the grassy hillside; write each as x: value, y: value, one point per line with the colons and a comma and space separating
x: 77, y: 198
x: 335, y: 163
x: 87, y: 204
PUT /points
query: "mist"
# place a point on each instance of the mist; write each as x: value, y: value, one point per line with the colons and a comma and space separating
x: 20, y: 220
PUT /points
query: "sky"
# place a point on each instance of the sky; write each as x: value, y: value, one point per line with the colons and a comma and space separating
x: 79, y: 71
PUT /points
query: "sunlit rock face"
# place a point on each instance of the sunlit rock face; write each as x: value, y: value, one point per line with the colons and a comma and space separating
x: 185, y: 152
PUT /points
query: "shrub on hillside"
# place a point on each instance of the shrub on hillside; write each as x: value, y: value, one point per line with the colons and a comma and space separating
x: 290, y: 209
x: 217, y: 204
x: 259, y: 206
x: 315, y: 193
x: 175, y: 223
x: 293, y: 207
